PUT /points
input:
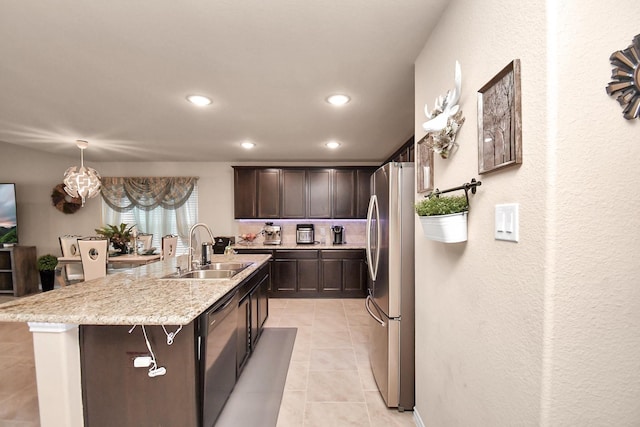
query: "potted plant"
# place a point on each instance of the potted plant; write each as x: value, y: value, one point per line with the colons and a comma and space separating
x: 47, y: 268
x: 444, y: 218
x: 118, y: 235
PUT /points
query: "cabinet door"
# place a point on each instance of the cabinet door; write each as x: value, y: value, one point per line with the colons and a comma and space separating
x: 308, y: 275
x: 354, y: 273
x: 344, y: 193
x: 331, y: 275
x: 268, y: 182
x: 284, y: 275
x: 255, y: 317
x: 244, y: 335
x: 263, y: 302
x: 363, y: 178
x: 244, y: 193
x: 319, y: 193
x: 294, y: 193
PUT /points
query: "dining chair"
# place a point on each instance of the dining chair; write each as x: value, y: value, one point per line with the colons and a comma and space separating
x: 169, y: 246
x: 94, y: 257
x: 73, y: 273
x: 146, y: 240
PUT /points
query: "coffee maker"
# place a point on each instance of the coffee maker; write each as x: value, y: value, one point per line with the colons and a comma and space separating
x: 338, y: 235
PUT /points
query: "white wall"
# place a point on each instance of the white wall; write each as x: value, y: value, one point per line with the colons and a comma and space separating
x: 544, y: 331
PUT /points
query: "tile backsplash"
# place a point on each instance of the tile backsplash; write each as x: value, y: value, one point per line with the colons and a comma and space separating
x: 354, y: 230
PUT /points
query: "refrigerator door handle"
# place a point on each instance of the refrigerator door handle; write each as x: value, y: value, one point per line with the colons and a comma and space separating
x: 366, y: 305
x: 373, y: 264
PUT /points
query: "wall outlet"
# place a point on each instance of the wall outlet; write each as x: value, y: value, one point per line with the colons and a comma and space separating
x: 507, y: 224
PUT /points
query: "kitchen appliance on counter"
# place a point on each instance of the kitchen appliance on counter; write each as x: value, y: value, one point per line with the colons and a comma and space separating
x: 390, y: 300
x: 272, y: 234
x: 338, y: 235
x: 221, y: 243
x: 305, y: 234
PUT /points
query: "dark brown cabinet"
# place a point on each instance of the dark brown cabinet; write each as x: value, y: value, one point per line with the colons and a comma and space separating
x: 363, y: 188
x: 295, y: 272
x: 18, y: 274
x: 312, y: 273
x: 256, y: 193
x: 299, y: 193
x: 268, y: 193
x: 117, y: 394
x: 319, y: 190
x: 294, y: 193
x: 344, y: 193
x: 253, y: 311
x: 343, y: 272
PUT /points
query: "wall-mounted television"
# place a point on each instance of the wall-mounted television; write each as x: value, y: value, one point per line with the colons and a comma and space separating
x: 8, y: 214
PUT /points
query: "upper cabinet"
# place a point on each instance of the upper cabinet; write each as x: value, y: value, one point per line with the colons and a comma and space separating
x: 256, y: 193
x: 301, y: 193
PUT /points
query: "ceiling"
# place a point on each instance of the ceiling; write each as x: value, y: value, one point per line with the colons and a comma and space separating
x: 116, y: 73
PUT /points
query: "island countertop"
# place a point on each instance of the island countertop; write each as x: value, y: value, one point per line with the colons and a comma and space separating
x: 136, y: 296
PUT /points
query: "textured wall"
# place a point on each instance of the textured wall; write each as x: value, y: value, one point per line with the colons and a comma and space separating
x: 544, y: 331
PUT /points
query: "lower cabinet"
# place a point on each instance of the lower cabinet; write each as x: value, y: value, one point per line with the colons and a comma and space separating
x: 253, y: 310
x: 115, y: 393
x: 316, y: 273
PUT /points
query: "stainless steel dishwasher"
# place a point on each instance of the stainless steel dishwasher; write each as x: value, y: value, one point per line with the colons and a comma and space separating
x: 219, y: 331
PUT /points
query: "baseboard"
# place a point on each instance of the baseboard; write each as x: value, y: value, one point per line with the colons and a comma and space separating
x: 417, y: 418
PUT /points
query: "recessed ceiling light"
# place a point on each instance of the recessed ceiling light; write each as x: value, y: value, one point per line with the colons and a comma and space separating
x: 199, y: 100
x: 248, y: 145
x: 338, y: 99
x: 332, y: 145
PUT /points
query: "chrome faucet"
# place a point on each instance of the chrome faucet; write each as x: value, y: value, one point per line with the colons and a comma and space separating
x: 191, y: 248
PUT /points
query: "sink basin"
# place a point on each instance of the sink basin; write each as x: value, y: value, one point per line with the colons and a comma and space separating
x: 226, y: 266
x: 209, y: 274
x: 216, y: 270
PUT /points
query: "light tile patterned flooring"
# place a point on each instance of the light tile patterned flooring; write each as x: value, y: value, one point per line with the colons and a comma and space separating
x: 329, y: 382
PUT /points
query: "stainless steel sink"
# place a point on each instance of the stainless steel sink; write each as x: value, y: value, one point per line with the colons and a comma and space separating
x: 209, y: 274
x: 216, y: 270
x: 226, y: 266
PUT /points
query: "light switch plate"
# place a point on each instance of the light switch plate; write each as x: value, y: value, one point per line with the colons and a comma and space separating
x: 507, y: 224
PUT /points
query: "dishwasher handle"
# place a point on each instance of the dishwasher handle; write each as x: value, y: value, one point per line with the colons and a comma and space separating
x: 220, y: 312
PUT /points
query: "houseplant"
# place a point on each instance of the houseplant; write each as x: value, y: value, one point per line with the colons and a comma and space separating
x: 47, y: 267
x: 444, y: 218
x: 118, y: 235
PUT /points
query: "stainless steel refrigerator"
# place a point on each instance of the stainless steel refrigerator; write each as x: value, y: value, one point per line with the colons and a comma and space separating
x: 390, y: 300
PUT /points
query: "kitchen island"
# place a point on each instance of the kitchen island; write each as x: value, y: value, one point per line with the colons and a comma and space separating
x: 139, y: 296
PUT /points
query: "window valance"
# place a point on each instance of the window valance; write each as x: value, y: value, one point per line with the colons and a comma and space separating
x: 147, y: 193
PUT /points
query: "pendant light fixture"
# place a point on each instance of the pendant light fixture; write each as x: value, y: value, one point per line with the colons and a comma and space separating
x: 83, y: 182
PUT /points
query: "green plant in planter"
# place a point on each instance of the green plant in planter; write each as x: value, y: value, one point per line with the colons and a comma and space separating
x: 119, y: 236
x: 442, y: 205
x: 47, y: 263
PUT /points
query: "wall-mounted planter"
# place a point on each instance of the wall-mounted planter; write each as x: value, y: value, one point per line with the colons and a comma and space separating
x: 445, y: 228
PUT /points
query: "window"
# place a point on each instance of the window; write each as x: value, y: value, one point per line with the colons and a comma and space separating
x: 156, y: 218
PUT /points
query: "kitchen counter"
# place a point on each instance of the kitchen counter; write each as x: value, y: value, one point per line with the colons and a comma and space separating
x: 135, y: 296
x: 294, y: 245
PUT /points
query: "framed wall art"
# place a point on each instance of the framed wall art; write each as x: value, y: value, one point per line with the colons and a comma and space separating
x: 424, y: 165
x: 500, y: 120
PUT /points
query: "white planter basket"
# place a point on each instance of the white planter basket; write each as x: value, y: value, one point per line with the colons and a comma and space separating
x: 445, y: 228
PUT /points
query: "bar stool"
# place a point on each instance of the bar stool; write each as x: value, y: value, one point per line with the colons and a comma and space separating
x: 94, y: 257
x: 169, y: 246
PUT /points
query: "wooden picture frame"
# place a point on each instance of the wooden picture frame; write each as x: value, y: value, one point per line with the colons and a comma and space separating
x: 500, y: 120
x: 424, y: 166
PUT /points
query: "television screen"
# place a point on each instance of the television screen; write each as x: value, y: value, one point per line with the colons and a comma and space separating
x: 8, y: 214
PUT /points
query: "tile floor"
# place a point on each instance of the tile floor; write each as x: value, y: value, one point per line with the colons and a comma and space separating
x: 329, y: 382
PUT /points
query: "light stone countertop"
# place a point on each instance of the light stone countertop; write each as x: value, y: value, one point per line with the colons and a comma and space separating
x: 134, y: 296
x: 294, y: 245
